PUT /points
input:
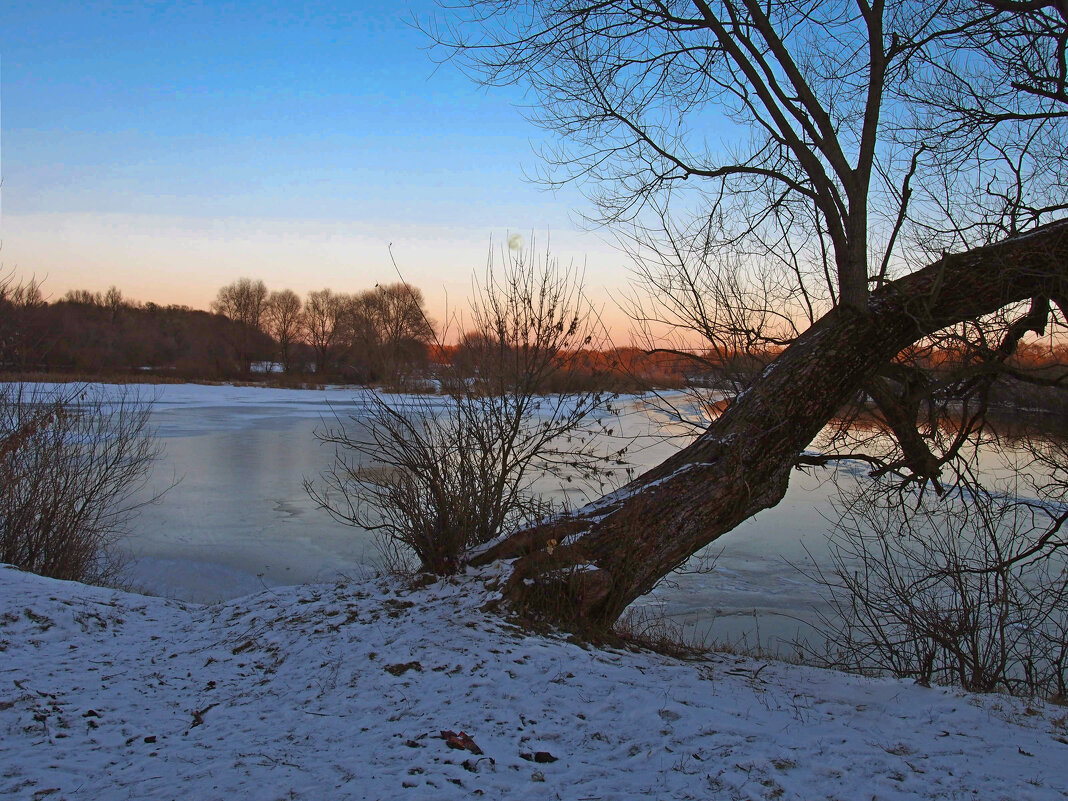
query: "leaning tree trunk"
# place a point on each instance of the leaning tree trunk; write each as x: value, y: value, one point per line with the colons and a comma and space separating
x: 584, y: 570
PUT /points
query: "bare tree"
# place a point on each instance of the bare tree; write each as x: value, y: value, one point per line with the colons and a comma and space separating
x: 244, y: 302
x: 25, y: 339
x: 8, y: 323
x: 404, y: 330
x: 376, y: 334
x: 84, y: 297
x: 114, y: 302
x: 327, y: 317
x: 365, y: 335
x: 888, y: 214
x: 283, y: 321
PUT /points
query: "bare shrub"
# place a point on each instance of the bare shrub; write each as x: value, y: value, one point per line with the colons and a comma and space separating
x: 72, y: 463
x: 967, y: 590
x: 438, y: 475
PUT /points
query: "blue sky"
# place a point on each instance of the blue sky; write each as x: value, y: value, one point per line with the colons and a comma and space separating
x: 171, y: 147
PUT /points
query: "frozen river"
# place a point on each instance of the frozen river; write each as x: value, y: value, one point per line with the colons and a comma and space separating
x: 239, y: 520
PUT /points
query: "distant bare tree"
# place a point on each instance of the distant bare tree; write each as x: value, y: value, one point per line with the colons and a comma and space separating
x: 84, y: 297
x: 326, y: 319
x: 244, y: 302
x: 283, y: 320
x: 24, y: 336
x: 114, y: 302
x: 8, y: 322
x: 364, y: 334
x: 401, y: 328
x: 402, y: 313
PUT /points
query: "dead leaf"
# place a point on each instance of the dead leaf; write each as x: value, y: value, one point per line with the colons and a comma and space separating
x: 461, y: 740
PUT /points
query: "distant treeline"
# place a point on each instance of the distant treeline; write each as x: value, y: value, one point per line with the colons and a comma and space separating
x: 369, y: 336
x: 381, y: 335
x: 378, y: 336
x: 96, y: 334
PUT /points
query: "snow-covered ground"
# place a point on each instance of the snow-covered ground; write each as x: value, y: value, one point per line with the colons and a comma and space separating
x: 343, y: 692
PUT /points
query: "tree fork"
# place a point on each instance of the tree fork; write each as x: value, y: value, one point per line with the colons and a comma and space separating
x: 582, y: 571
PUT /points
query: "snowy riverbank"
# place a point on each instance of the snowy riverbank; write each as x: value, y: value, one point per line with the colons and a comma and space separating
x: 342, y: 692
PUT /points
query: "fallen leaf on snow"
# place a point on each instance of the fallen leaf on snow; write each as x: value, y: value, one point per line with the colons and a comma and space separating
x: 460, y: 740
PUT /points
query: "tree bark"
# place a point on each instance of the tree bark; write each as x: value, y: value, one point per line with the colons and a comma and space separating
x: 581, y: 572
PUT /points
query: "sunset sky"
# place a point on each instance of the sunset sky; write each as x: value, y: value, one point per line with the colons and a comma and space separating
x: 171, y: 147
